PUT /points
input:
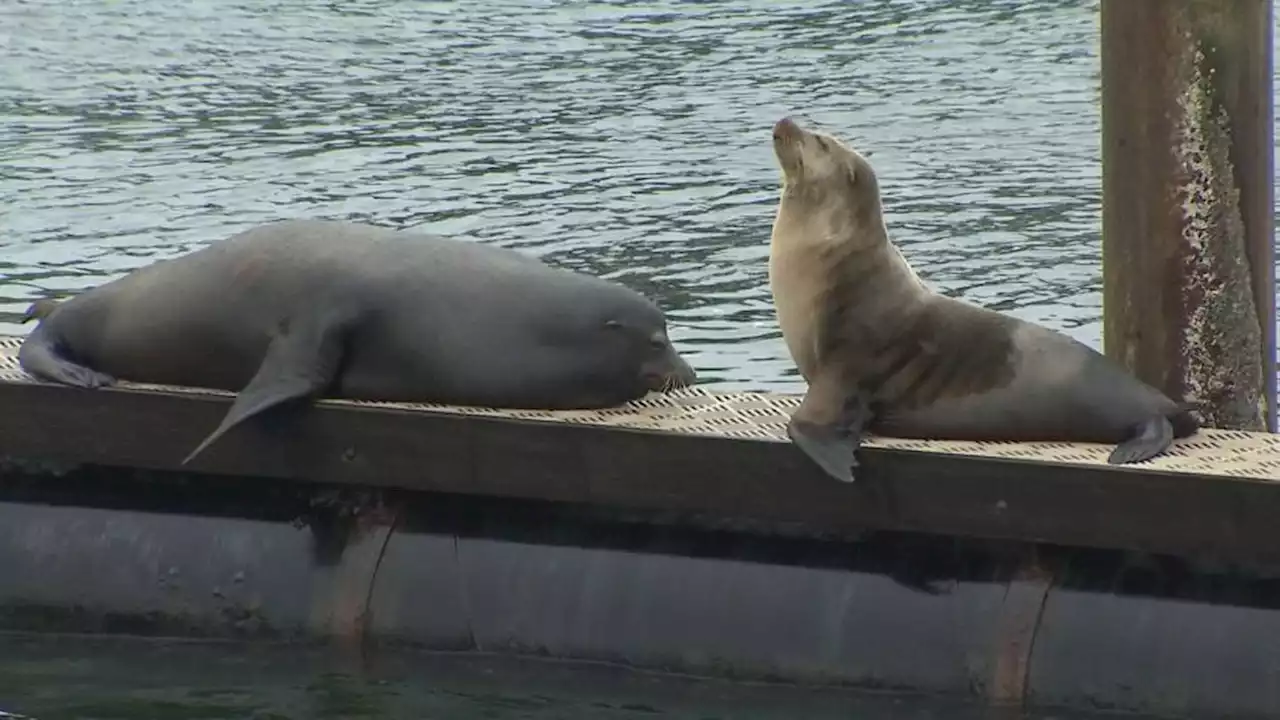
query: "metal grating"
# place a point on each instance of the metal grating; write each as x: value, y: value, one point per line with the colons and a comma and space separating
x: 763, y: 416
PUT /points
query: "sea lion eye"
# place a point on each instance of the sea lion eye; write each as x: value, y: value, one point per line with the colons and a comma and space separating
x: 657, y: 342
x: 612, y: 324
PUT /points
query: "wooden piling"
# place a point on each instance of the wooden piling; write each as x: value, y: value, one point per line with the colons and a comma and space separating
x: 1188, y: 252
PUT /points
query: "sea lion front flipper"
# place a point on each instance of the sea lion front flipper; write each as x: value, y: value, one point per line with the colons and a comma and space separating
x: 1149, y: 439
x: 828, y: 426
x: 301, y: 361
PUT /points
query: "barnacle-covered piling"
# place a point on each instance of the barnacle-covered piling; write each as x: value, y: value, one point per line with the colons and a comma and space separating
x: 1188, y: 259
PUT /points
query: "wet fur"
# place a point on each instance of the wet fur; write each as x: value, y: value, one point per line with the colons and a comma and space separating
x: 883, y: 352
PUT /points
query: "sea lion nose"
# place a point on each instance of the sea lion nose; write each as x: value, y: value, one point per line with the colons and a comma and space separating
x: 684, y: 372
x: 668, y: 373
x: 784, y: 128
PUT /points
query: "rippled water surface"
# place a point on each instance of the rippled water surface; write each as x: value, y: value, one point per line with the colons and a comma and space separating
x: 629, y: 139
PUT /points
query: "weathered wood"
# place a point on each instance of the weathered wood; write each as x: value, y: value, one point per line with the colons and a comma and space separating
x: 761, y: 481
x: 1188, y: 264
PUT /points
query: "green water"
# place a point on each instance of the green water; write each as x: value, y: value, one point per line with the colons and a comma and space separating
x: 81, y: 679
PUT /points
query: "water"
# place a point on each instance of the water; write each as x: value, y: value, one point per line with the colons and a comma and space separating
x: 78, y: 679
x: 629, y: 140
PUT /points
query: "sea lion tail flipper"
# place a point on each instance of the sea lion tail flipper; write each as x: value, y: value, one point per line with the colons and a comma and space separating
x: 828, y: 427
x: 301, y: 361
x: 39, y: 309
x: 1184, y: 421
x: 41, y: 356
x: 1150, y: 438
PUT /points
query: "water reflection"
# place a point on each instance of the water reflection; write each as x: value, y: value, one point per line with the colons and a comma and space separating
x: 77, y: 678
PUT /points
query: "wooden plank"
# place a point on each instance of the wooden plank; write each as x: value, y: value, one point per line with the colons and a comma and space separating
x: 765, y: 481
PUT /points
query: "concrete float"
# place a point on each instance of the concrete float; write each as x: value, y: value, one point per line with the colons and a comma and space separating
x: 681, y: 532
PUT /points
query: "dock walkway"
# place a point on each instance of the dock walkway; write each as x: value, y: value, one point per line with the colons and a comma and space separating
x: 693, y: 450
x: 762, y: 416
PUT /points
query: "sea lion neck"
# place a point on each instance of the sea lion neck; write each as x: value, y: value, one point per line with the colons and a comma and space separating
x: 811, y: 214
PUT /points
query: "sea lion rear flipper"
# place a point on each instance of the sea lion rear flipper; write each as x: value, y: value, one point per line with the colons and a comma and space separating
x: 39, y: 309
x: 1149, y: 439
x: 42, y: 357
x: 43, y: 353
x: 301, y: 361
x: 828, y: 426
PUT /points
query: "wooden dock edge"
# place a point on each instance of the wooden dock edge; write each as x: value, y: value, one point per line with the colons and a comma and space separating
x: 767, y: 482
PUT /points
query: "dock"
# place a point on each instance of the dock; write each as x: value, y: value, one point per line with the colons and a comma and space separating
x: 682, y: 532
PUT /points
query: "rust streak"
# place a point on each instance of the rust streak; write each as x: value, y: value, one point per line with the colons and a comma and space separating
x: 1020, y: 614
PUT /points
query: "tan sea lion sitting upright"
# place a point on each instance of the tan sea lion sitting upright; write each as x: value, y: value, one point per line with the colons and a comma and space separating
x: 883, y: 353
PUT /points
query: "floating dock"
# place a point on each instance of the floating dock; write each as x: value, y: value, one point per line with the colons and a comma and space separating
x: 681, y: 532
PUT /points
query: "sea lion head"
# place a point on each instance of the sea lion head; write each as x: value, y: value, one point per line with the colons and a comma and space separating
x: 825, y: 181
x: 622, y: 335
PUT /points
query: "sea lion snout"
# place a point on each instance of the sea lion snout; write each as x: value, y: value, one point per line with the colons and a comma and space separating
x: 786, y: 129
x: 683, y: 374
x: 668, y: 370
x: 788, y: 146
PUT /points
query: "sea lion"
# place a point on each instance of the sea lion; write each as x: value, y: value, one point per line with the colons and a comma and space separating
x: 883, y: 353
x: 307, y: 308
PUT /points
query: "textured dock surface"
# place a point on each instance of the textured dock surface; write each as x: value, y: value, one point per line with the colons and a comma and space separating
x: 763, y: 416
